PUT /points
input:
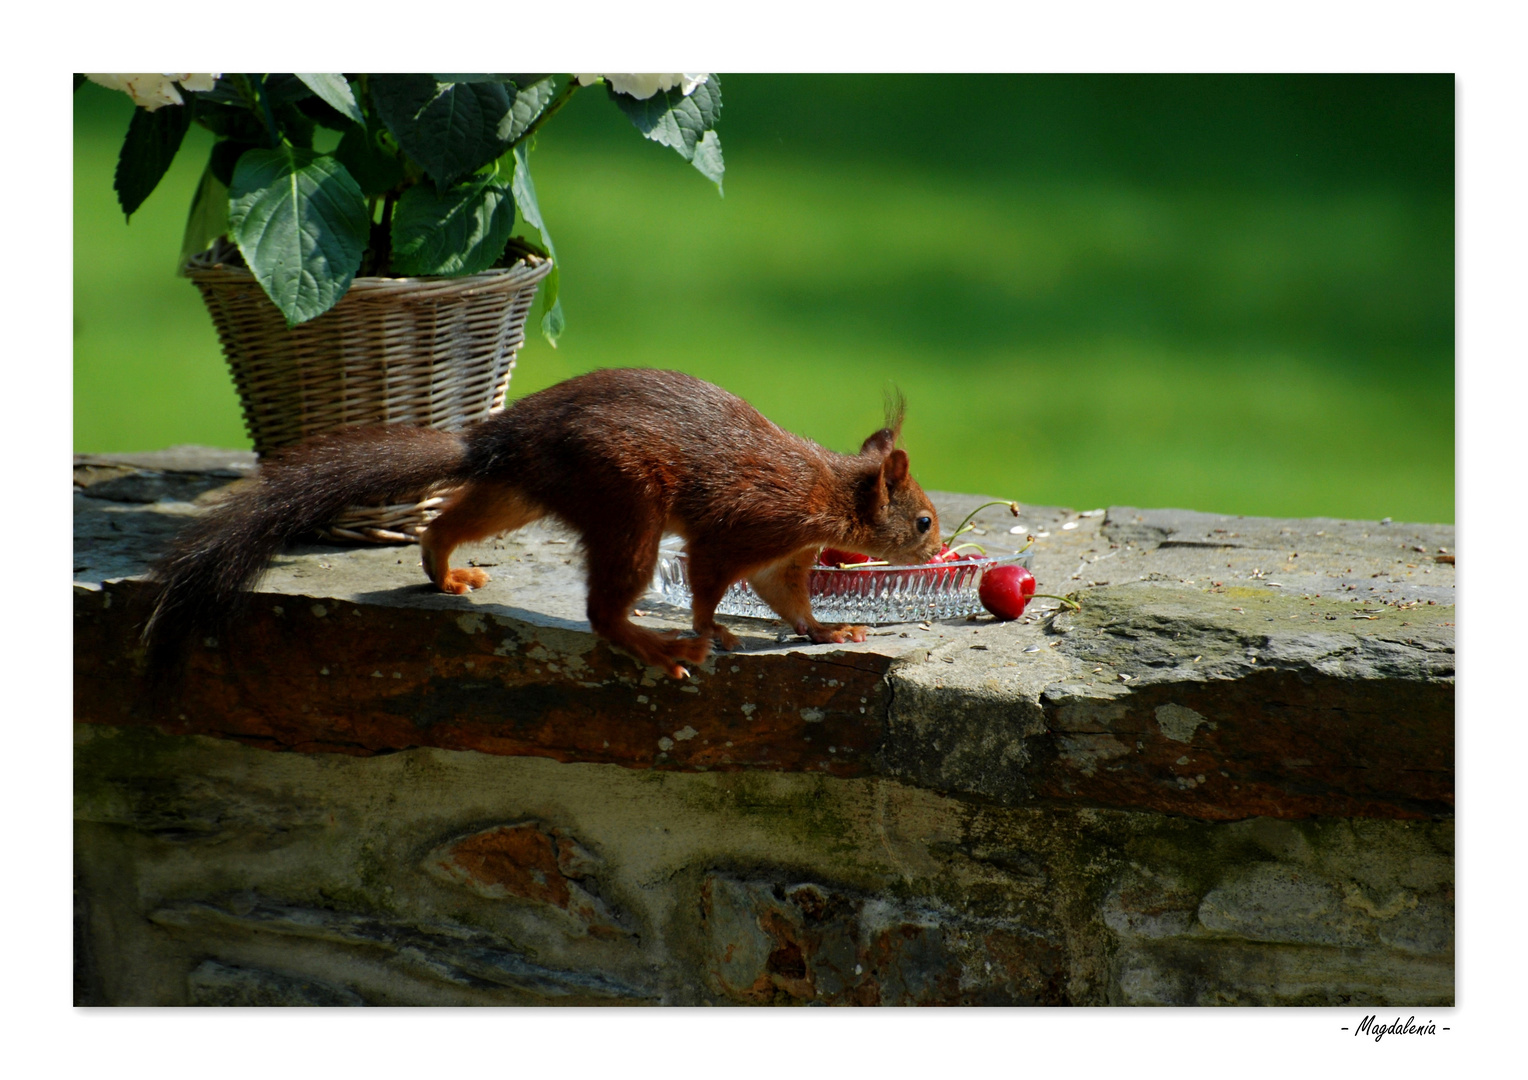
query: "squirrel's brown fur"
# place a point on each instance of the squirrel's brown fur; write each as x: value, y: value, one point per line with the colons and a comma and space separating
x: 621, y: 456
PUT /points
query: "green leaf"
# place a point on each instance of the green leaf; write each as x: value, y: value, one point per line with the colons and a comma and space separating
x: 150, y: 146
x: 301, y: 224
x: 238, y: 89
x: 461, y: 230
x: 376, y: 169
x: 336, y: 92
x: 528, y: 104
x: 232, y: 89
x: 230, y: 121
x: 519, y: 80
x: 295, y: 126
x: 320, y: 112
x: 450, y: 129
x: 686, y: 123
x: 225, y: 158
x: 208, y: 219
x: 552, y: 322
x: 708, y: 158
x: 285, y: 89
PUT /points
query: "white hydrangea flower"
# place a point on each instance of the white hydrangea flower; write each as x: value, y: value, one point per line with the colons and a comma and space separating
x: 643, y: 87
x: 157, y: 89
x: 198, y: 83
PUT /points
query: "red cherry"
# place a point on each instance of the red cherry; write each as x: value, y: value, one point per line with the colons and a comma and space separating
x: 1005, y: 590
x: 837, y: 556
x: 949, y: 554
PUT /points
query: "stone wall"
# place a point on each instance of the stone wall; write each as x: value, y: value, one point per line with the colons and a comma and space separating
x: 1228, y: 779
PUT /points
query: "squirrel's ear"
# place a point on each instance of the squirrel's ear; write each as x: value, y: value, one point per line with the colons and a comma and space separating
x: 881, y: 482
x: 879, y: 443
x: 894, y: 470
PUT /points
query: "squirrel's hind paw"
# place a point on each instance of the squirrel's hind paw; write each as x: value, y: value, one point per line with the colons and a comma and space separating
x: 460, y: 581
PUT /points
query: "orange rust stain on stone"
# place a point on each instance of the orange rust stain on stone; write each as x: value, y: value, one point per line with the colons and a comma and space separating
x: 786, y: 967
x: 519, y: 859
x: 528, y: 862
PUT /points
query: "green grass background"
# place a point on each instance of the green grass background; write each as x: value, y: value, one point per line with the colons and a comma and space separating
x: 1232, y: 294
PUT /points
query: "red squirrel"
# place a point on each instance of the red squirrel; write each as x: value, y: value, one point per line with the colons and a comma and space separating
x: 621, y: 456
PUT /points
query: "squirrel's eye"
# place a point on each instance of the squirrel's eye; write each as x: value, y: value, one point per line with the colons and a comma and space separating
x: 924, y: 523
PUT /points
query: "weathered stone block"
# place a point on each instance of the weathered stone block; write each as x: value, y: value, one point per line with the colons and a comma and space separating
x: 1212, y: 972
x: 453, y: 954
x: 213, y: 983
x: 805, y: 943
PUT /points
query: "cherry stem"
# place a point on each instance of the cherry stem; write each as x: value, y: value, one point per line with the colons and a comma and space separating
x: 1068, y: 601
x: 966, y: 524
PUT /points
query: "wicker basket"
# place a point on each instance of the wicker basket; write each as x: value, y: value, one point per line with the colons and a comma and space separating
x: 434, y: 352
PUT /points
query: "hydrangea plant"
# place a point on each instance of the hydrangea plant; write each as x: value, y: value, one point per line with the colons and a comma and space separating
x: 429, y: 177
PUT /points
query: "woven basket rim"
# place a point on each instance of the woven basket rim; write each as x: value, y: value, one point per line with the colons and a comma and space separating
x: 209, y: 268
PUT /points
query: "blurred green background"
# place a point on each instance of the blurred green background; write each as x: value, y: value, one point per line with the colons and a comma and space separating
x: 1232, y: 294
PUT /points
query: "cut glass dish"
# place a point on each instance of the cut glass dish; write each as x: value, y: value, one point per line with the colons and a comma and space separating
x: 876, y: 594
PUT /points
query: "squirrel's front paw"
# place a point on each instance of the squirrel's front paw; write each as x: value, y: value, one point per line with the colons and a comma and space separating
x: 677, y: 651
x: 721, y: 637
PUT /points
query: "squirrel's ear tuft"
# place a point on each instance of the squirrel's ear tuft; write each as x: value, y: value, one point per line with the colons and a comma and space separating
x: 896, y: 409
x: 882, y: 441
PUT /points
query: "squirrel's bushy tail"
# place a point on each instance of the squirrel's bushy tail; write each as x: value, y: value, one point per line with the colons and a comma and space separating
x: 214, y: 561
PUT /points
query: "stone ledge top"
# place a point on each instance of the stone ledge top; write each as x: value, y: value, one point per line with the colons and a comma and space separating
x: 1220, y: 667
